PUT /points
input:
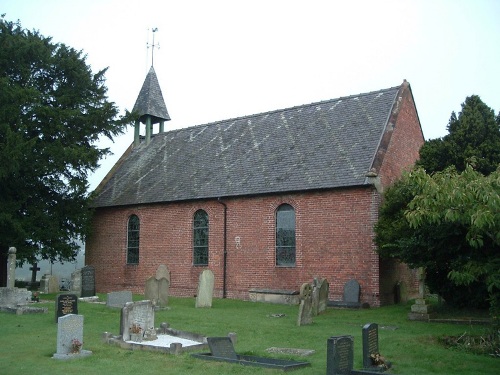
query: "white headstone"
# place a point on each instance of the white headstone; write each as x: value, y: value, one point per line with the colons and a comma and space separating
x: 205, y: 289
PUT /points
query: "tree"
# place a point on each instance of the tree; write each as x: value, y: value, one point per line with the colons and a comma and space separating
x: 475, y: 133
x: 53, y: 109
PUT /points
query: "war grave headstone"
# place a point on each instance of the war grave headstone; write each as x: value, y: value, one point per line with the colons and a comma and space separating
x: 350, y: 297
x: 372, y: 360
x: 76, y: 282
x: 88, y: 281
x: 205, y: 289
x: 66, y: 304
x: 136, y: 318
x: 118, y: 299
x: 222, y: 349
x: 70, y: 337
x: 305, y: 307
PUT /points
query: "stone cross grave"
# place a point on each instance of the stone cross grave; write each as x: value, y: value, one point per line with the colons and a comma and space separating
x: 34, y: 268
x: 139, y: 313
x: 88, y: 281
x: 70, y: 337
x: 11, y: 268
x: 66, y: 304
x: 118, y: 299
x: 205, y: 289
x: 305, y: 307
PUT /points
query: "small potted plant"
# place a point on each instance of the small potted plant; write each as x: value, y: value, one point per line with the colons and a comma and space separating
x: 136, y: 332
x: 76, y: 346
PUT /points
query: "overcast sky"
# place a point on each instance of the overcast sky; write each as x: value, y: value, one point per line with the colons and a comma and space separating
x: 223, y: 59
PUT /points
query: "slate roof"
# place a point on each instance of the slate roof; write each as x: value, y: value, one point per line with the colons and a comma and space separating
x: 150, y: 100
x: 328, y: 144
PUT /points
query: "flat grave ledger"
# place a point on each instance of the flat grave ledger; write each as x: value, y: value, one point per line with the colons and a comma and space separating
x: 222, y: 349
x: 66, y: 304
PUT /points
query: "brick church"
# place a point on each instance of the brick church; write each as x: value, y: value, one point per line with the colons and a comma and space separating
x: 266, y: 201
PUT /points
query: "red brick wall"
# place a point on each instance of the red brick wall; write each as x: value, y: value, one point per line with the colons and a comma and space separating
x: 333, y: 241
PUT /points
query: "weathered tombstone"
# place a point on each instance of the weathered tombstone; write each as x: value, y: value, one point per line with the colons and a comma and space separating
x: 351, y: 292
x: 88, y: 281
x: 118, y: 299
x: 163, y: 286
x: 136, y: 314
x: 339, y: 355
x: 70, y: 337
x: 222, y: 347
x: 53, y: 284
x: 44, y: 283
x: 162, y: 271
x: 420, y: 310
x: 151, y: 290
x: 315, y: 296
x: 205, y: 289
x: 66, y: 304
x: 76, y: 282
x: 11, y: 268
x: 305, y: 307
x: 324, y: 290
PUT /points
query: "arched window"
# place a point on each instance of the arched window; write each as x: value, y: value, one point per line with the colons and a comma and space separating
x: 200, y: 238
x: 133, y: 240
x: 285, y: 236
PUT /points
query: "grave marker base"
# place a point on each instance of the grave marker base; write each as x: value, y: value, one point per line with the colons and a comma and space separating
x: 248, y: 360
x: 82, y: 354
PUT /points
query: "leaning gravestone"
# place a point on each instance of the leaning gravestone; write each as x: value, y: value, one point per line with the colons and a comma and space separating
x: 340, y: 355
x: 118, y: 299
x: 305, y: 307
x: 70, y: 337
x: 205, y: 289
x: 139, y: 314
x: 88, y: 281
x: 66, y: 304
x: 222, y: 347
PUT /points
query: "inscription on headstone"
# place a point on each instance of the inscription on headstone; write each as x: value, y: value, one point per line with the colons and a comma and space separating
x: 340, y: 355
x: 140, y: 314
x: 88, y: 281
x: 222, y: 347
x: 66, y: 304
x: 70, y: 337
x: 370, y: 343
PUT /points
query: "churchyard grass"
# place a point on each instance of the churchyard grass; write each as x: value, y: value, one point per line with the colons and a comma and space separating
x: 27, y: 342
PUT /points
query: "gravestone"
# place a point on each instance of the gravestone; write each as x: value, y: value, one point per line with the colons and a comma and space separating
x: 88, y: 281
x: 351, y: 292
x: 11, y: 268
x: 324, y: 290
x: 53, y: 284
x: 315, y: 296
x: 370, y: 343
x: 139, y: 313
x: 421, y: 310
x: 151, y: 290
x: 118, y: 299
x: 76, y: 282
x: 222, y: 347
x: 157, y: 291
x: 162, y: 271
x: 205, y: 289
x: 305, y: 307
x: 339, y: 355
x: 66, y: 304
x: 70, y: 337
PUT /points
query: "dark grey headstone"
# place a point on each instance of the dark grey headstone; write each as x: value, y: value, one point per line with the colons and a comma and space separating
x: 351, y: 291
x: 66, y: 304
x: 88, y: 281
x: 340, y: 355
x: 370, y: 343
x: 221, y: 347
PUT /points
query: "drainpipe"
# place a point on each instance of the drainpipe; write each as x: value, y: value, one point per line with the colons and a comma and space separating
x: 224, y: 274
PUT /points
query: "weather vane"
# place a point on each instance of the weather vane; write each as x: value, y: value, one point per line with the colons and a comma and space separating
x: 153, y: 45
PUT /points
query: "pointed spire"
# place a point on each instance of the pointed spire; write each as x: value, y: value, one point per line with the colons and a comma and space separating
x: 150, y: 101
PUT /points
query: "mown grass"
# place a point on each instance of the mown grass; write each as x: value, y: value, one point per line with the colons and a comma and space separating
x: 27, y: 342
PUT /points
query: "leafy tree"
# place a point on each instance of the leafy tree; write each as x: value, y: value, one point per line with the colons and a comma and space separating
x: 475, y: 133
x: 53, y: 109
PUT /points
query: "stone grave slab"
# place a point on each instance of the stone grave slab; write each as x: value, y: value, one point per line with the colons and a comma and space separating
x: 222, y: 349
x: 88, y: 281
x: 139, y: 313
x: 70, y: 337
x: 205, y: 289
x: 66, y: 304
x: 118, y: 299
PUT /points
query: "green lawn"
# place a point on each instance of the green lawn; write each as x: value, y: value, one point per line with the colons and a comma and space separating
x: 28, y: 342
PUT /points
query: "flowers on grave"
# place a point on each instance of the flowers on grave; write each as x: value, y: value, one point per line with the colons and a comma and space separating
x: 76, y: 346
x: 135, y: 328
x: 35, y: 297
x: 379, y: 361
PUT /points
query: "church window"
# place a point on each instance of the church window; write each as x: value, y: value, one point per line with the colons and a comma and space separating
x: 200, y: 238
x: 133, y: 240
x: 285, y: 236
